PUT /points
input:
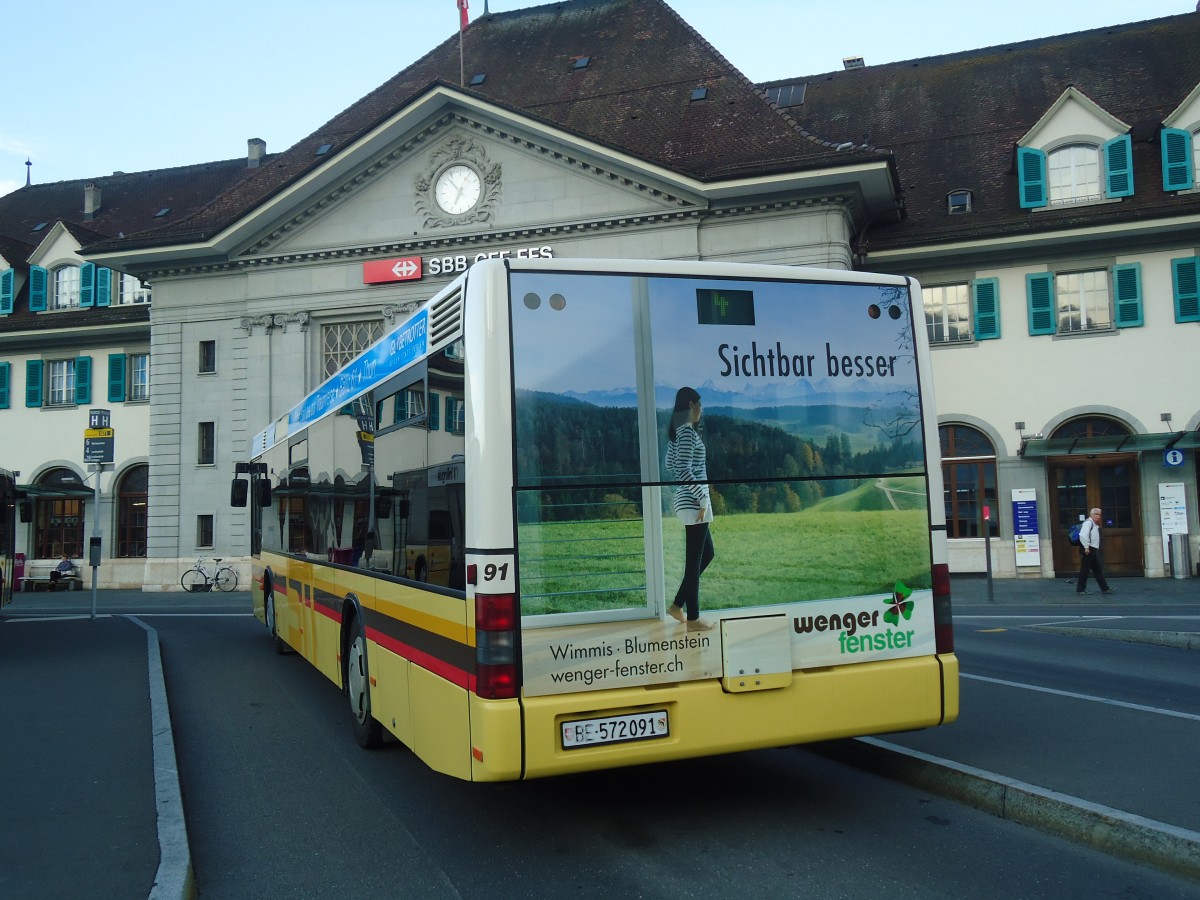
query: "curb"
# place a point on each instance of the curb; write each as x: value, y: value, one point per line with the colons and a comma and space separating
x: 175, y: 877
x: 1168, y: 848
x: 1180, y: 640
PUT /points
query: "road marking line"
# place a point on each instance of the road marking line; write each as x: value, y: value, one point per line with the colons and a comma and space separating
x: 1121, y: 703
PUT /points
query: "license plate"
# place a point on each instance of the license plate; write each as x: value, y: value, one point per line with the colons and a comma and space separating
x: 614, y: 729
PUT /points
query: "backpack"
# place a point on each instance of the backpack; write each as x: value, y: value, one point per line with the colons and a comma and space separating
x: 1073, y: 534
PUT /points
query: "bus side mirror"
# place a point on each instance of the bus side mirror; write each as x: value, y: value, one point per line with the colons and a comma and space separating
x: 264, y: 493
x: 26, y: 511
x: 239, y: 490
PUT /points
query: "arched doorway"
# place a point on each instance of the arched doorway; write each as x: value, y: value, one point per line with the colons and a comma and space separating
x: 58, y: 515
x: 132, y: 512
x: 969, y: 478
x: 1110, y: 481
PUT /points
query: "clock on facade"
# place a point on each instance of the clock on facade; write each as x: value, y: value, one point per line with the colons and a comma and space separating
x: 457, y: 189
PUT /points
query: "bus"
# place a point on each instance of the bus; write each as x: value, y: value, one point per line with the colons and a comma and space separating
x: 8, y: 533
x: 470, y: 528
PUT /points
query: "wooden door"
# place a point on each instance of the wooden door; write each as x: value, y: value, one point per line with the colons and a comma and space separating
x: 1110, y: 482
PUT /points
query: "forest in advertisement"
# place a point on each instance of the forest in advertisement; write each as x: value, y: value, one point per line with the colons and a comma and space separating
x: 584, y: 458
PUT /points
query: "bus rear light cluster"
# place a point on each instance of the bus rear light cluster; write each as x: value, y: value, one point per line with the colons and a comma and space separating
x: 943, y: 619
x: 496, y: 646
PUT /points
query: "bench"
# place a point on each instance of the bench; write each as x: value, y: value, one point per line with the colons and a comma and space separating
x: 37, y: 577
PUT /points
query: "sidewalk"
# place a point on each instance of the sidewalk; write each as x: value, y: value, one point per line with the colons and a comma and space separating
x: 972, y: 591
x: 91, y: 797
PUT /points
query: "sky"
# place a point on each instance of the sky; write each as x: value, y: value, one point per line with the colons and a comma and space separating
x: 133, y: 85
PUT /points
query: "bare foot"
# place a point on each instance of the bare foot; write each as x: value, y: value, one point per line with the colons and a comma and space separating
x: 676, y: 613
x: 698, y: 625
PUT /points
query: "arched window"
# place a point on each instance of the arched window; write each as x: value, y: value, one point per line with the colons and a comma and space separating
x: 969, y: 473
x: 66, y: 288
x: 1090, y: 426
x: 132, y: 509
x: 58, y: 516
x: 1074, y: 173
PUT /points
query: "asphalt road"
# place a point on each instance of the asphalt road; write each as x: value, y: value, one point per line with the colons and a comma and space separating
x: 280, y: 801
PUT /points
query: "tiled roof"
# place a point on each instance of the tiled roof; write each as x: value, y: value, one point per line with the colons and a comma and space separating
x: 129, y: 203
x: 634, y: 95
x: 954, y: 121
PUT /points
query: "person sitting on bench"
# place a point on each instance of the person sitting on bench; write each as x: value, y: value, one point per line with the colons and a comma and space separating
x: 65, y: 567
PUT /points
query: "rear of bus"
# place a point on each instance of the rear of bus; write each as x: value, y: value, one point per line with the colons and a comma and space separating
x: 828, y: 595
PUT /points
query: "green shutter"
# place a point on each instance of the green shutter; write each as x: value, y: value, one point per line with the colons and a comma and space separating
x: 5, y: 368
x: 1118, y: 167
x: 33, y: 382
x: 87, y: 284
x: 104, y: 279
x: 985, y: 301
x: 8, y: 290
x: 83, y: 379
x: 1187, y: 288
x: 116, y: 377
x: 434, y: 410
x: 1039, y: 292
x: 1177, y: 165
x: 1031, y: 173
x: 1127, y: 280
x: 37, y: 289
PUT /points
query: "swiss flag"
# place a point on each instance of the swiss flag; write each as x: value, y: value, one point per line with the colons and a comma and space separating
x: 462, y: 14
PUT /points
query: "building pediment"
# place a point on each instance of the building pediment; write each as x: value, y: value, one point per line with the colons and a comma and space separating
x: 1073, y: 117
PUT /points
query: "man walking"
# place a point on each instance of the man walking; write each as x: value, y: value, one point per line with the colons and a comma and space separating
x: 1089, y: 555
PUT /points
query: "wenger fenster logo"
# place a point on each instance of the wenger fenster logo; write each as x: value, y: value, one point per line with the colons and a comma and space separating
x: 901, y: 626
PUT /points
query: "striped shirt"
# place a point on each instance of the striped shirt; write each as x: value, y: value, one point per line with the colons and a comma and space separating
x: 687, y: 462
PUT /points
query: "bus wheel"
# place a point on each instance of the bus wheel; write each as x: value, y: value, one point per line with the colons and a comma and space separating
x: 269, y: 608
x: 367, y: 730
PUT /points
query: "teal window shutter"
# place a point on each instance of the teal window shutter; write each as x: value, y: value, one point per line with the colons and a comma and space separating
x: 1177, y: 165
x: 1187, y: 288
x: 1127, y: 280
x: 104, y: 279
x: 985, y: 300
x: 37, y: 289
x: 116, y: 377
x: 5, y: 368
x: 434, y: 411
x: 1118, y: 167
x: 33, y: 382
x: 1031, y: 173
x: 8, y: 290
x: 83, y: 379
x: 87, y: 284
x: 1039, y: 292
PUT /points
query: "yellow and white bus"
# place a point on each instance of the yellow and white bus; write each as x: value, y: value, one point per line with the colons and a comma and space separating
x: 512, y: 436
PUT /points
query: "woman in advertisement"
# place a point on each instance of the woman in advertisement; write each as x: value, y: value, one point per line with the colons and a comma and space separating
x: 687, y: 464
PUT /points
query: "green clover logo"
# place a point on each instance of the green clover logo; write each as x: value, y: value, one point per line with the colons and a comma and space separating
x: 899, y: 605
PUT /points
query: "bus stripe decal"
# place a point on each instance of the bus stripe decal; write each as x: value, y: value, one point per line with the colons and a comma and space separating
x: 450, y: 672
x: 439, y: 654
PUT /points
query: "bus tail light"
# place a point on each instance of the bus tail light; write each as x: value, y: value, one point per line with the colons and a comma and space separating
x: 496, y: 646
x: 943, y: 620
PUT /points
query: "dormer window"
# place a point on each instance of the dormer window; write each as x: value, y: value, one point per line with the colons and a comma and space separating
x: 1074, y: 174
x: 66, y: 287
x: 958, y: 202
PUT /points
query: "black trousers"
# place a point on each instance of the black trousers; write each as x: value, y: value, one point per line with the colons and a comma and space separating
x: 698, y: 554
x: 1090, y: 562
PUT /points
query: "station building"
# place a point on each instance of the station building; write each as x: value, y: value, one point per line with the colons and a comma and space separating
x: 1044, y: 197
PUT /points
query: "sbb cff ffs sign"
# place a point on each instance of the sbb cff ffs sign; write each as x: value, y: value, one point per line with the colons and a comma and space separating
x: 383, y: 271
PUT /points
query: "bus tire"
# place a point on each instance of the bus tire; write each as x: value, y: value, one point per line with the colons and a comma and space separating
x: 367, y: 729
x: 272, y: 626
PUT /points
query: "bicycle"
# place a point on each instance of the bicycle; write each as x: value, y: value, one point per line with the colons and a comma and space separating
x: 199, y: 579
